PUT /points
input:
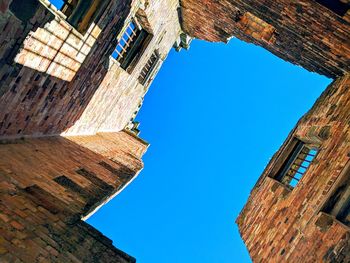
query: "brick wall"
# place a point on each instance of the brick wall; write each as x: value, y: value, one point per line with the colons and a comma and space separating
x: 55, y: 80
x: 282, y: 225
x: 47, y: 185
x: 302, y: 32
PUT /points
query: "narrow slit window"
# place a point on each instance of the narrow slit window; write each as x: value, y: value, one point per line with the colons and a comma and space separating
x: 338, y: 205
x: 131, y: 45
x: 296, y: 164
x: 336, y: 6
x: 149, y: 68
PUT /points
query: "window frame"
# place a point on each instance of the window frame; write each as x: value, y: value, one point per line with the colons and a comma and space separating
x: 149, y: 73
x: 130, y: 57
x: 287, y: 159
x: 65, y: 14
x: 327, y: 207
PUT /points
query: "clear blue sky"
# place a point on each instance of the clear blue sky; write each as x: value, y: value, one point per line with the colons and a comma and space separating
x: 214, y: 117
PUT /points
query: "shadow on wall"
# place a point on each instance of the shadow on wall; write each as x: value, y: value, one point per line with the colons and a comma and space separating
x: 48, y: 184
x: 49, y: 72
x: 78, y: 173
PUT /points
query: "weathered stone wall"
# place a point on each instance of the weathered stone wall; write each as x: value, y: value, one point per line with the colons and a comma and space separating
x: 47, y: 185
x: 120, y: 93
x: 302, y: 32
x: 55, y: 80
x: 282, y: 225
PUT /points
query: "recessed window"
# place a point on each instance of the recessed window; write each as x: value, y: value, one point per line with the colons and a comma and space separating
x: 131, y: 46
x: 148, y: 70
x: 296, y: 164
x: 80, y: 13
x: 338, y: 205
x: 336, y: 6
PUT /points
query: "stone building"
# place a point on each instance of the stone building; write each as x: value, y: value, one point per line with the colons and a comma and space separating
x: 73, y: 77
x: 299, y: 210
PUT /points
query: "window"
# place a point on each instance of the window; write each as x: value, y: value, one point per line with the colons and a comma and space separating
x: 80, y: 13
x: 131, y: 46
x: 296, y: 164
x: 338, y: 205
x: 337, y: 6
x: 149, y: 68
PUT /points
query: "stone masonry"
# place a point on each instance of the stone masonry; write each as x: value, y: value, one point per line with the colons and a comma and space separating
x: 67, y: 107
x: 69, y: 143
x: 302, y: 32
x: 54, y: 80
x: 282, y: 225
x: 49, y: 184
x: 308, y: 222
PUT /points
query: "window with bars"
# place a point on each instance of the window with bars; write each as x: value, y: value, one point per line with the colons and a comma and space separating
x: 296, y: 164
x: 338, y: 204
x: 337, y: 6
x: 131, y: 46
x: 148, y: 70
x: 80, y: 13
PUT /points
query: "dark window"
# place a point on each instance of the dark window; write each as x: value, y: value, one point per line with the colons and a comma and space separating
x: 149, y: 68
x: 80, y: 13
x: 336, y: 6
x: 338, y: 204
x: 131, y: 46
x: 296, y: 164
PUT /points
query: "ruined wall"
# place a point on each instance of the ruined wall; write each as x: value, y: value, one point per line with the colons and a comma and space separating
x: 302, y: 32
x: 47, y: 185
x: 282, y: 225
x: 55, y: 80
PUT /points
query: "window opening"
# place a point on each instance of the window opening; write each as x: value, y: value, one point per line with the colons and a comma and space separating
x: 148, y: 69
x: 80, y: 13
x: 296, y: 164
x: 131, y: 45
x: 338, y: 205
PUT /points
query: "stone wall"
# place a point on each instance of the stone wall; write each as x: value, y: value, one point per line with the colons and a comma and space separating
x: 302, y: 32
x: 47, y: 185
x: 120, y: 93
x: 54, y: 80
x: 282, y: 225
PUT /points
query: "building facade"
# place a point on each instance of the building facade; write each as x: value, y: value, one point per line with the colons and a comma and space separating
x: 299, y: 210
x: 310, y: 33
x: 73, y: 76
x: 62, y: 79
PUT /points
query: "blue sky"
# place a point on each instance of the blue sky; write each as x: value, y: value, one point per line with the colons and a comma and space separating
x: 214, y: 117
